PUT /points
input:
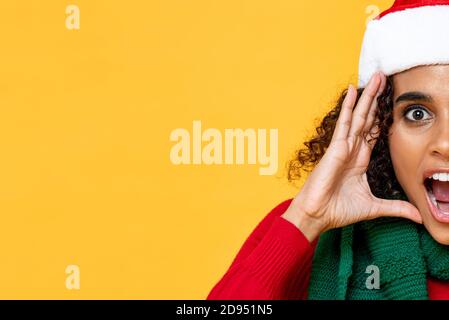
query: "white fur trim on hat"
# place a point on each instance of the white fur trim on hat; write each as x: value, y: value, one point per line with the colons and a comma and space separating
x: 403, y: 40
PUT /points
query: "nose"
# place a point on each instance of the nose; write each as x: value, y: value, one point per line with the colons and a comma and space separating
x: 440, y: 139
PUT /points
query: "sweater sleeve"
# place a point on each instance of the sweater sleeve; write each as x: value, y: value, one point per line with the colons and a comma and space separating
x: 274, y: 263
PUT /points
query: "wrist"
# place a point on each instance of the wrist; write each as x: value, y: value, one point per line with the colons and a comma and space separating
x: 310, y: 227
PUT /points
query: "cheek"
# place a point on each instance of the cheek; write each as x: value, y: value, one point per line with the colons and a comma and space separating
x: 405, y: 151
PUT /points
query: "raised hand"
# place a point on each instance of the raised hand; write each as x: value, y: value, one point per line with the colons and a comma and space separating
x: 336, y: 193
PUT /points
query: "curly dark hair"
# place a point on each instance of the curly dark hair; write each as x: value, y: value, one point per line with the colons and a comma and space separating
x: 381, y: 176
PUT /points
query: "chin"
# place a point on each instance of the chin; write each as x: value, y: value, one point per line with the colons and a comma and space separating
x: 439, y: 230
x: 440, y: 235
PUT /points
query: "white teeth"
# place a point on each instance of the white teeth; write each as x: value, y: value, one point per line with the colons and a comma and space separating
x: 440, y: 176
x: 432, y: 197
x: 435, y: 202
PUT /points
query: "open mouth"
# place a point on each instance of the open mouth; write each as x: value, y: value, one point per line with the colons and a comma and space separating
x: 438, y: 198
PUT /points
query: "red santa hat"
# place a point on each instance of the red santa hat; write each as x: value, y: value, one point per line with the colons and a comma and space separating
x: 409, y: 34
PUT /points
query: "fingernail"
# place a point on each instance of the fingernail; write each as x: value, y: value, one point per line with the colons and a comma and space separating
x: 371, y: 81
x: 381, y: 88
x: 378, y: 74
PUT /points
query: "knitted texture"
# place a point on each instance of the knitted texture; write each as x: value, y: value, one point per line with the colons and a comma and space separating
x: 405, y: 253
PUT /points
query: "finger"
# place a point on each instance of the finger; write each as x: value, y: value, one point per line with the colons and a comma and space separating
x: 362, y: 108
x: 373, y: 107
x: 372, y: 129
x: 344, y: 119
x: 396, y: 208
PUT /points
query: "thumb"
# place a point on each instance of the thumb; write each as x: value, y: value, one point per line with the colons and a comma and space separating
x: 395, y: 208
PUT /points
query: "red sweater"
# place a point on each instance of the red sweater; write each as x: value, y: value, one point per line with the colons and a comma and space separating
x: 274, y: 263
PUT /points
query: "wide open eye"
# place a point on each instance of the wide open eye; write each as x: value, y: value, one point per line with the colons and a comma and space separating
x: 416, y: 113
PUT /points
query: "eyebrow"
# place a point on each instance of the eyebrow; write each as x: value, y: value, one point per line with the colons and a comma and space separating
x: 414, y: 96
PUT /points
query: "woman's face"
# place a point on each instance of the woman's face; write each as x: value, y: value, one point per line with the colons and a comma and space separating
x: 419, y: 142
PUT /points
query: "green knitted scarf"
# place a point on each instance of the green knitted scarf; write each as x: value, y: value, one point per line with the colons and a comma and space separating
x: 403, y: 251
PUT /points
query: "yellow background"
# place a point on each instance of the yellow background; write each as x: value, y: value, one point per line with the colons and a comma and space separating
x: 85, y: 119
